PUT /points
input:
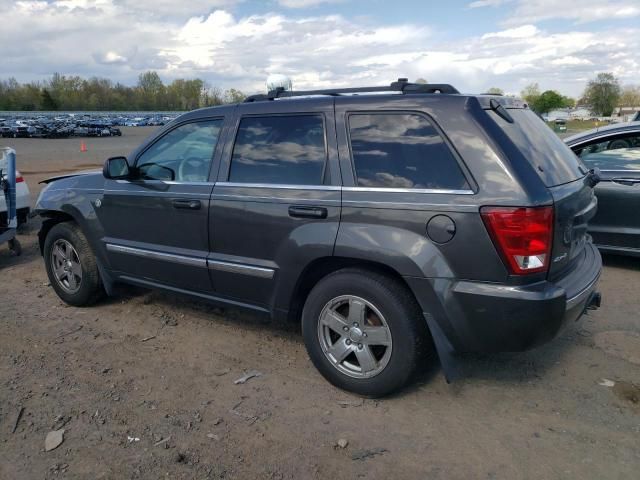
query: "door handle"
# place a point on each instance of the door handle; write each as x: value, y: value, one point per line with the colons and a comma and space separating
x: 300, y: 211
x: 187, y: 204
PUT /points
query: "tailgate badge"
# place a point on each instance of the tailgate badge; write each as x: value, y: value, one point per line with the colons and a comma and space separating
x: 560, y: 257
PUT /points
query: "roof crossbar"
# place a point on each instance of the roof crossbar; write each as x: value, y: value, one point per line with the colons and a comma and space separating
x: 402, y: 85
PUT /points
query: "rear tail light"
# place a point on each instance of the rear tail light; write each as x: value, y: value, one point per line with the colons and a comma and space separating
x: 19, y: 178
x: 522, y: 235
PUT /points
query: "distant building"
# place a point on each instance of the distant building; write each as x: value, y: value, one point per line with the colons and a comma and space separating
x: 558, y: 114
x: 626, y: 114
x: 581, y: 113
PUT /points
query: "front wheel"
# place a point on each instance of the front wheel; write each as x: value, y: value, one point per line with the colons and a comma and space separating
x: 71, y: 265
x: 364, y: 331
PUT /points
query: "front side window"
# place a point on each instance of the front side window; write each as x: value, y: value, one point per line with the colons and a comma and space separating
x: 402, y: 150
x: 279, y: 150
x: 621, y: 152
x: 184, y: 154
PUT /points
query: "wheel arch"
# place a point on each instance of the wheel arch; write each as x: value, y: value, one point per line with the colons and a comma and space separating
x: 51, y: 218
x: 323, y: 266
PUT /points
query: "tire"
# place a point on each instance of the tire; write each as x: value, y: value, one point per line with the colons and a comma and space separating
x: 86, y: 287
x: 386, y: 301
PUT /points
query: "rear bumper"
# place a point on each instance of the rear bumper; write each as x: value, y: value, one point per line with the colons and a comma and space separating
x: 485, y: 317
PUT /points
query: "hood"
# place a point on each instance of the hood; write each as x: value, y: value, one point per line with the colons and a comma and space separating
x: 69, y: 175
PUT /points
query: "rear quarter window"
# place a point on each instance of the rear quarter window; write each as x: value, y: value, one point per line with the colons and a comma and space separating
x: 548, y: 154
x: 402, y: 150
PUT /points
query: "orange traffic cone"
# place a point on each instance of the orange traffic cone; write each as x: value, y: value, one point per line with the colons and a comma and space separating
x: 83, y: 146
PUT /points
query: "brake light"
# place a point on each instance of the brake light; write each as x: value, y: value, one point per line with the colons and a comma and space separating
x: 522, y: 235
x: 19, y: 179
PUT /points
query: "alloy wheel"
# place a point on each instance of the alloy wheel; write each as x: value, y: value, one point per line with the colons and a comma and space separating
x: 66, y: 267
x: 354, y: 336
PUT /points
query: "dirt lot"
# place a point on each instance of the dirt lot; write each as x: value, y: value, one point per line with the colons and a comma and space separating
x: 143, y: 386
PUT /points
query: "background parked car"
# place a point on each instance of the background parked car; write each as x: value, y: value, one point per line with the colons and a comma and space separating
x: 615, y: 150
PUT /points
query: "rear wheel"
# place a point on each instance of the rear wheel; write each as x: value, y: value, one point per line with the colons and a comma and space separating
x: 71, y: 265
x: 363, y: 331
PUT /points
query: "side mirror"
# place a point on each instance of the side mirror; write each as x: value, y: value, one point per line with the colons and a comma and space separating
x: 116, y: 168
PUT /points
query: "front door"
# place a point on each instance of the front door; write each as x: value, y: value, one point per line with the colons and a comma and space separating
x: 276, y: 205
x: 617, y: 222
x: 155, y: 225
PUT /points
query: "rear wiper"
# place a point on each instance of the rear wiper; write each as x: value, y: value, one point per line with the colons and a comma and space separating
x: 593, y: 177
x: 629, y: 182
x: 497, y: 107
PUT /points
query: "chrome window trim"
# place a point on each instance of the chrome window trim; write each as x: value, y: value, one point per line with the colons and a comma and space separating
x: 279, y: 186
x: 346, y: 189
x: 168, y: 257
x: 446, y: 191
x: 166, y: 182
x: 260, y: 272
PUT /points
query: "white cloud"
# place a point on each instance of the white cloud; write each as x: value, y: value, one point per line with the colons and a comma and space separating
x: 517, y: 32
x: 112, y: 38
x: 110, y: 57
x: 533, y: 11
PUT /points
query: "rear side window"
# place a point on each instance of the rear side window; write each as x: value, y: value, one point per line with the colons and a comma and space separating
x: 402, y: 150
x: 279, y: 149
x: 546, y: 152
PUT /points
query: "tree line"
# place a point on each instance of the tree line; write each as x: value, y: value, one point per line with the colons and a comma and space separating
x: 601, y: 95
x: 62, y: 92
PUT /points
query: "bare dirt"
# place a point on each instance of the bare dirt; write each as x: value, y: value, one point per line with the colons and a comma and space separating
x: 143, y: 386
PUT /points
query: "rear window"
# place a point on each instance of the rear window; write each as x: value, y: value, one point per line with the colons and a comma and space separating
x: 552, y: 159
x: 402, y: 150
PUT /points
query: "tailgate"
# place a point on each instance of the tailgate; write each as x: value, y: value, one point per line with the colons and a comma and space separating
x: 575, y: 205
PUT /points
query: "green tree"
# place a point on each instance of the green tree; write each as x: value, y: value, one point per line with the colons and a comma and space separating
x: 48, y: 103
x: 495, y: 91
x: 630, y: 96
x: 568, y: 102
x: 547, y: 101
x: 233, y: 96
x: 421, y: 80
x: 602, y: 94
x: 530, y: 93
x: 152, y: 90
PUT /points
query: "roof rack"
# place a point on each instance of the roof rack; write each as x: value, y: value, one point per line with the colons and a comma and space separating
x: 402, y: 86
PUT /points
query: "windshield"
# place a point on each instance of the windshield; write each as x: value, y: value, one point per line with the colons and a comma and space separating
x: 552, y: 159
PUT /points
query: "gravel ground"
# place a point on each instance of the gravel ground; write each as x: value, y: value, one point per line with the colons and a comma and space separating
x: 143, y: 386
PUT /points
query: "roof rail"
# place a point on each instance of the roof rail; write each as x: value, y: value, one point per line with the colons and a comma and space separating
x: 402, y: 85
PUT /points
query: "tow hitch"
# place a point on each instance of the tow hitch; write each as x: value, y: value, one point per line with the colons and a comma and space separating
x: 594, y: 302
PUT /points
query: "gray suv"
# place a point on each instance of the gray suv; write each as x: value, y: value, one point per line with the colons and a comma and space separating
x: 391, y: 221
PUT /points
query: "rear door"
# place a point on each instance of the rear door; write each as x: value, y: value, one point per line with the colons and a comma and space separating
x: 155, y: 226
x: 407, y: 190
x: 617, y: 223
x: 276, y: 205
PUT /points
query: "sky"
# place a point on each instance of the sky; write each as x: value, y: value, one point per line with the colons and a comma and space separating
x: 474, y: 45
